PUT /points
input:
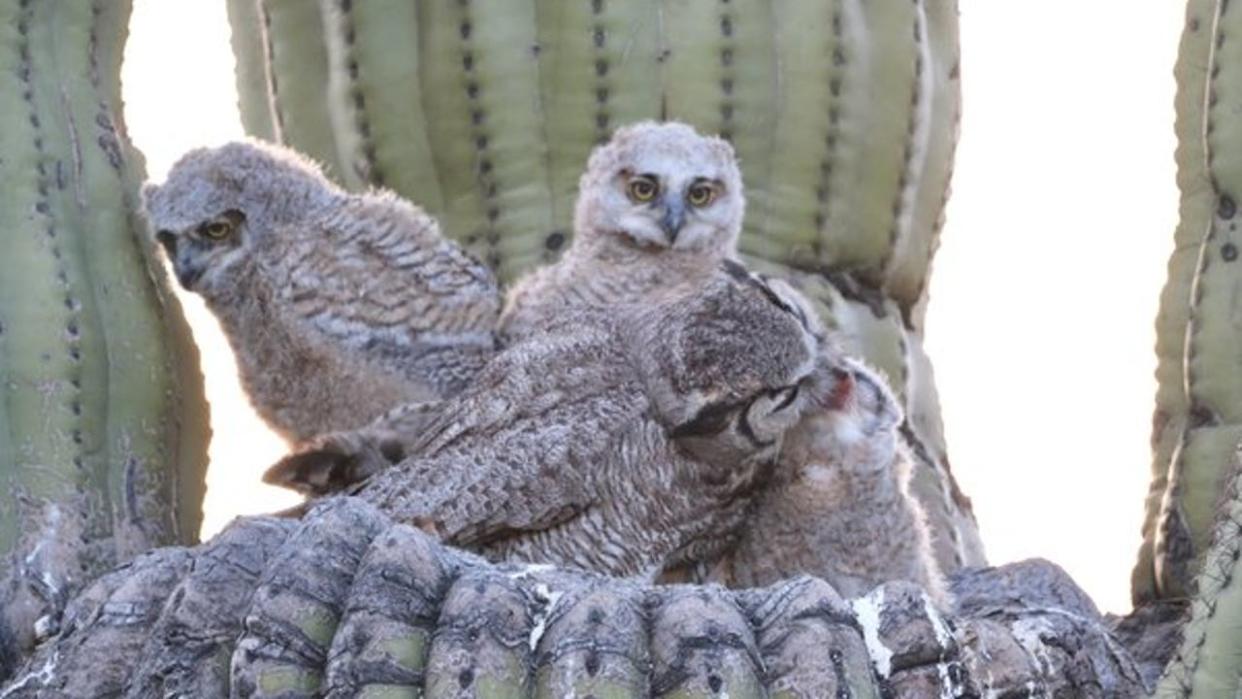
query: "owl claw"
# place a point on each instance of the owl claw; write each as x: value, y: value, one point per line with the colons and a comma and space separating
x: 333, y: 463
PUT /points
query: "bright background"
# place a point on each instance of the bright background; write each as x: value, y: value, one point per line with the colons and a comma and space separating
x: 1045, y: 287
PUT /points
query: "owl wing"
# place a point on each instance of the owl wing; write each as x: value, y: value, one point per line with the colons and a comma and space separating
x: 377, y: 276
x: 522, y: 449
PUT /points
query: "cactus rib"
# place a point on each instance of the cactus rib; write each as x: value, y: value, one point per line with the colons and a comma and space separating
x: 298, y: 67
x: 246, y: 27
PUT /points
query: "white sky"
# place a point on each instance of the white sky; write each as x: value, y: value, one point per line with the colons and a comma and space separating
x: 1045, y: 286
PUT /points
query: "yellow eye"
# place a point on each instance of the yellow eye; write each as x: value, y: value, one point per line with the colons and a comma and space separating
x: 223, y: 226
x: 217, y: 230
x: 701, y: 194
x: 642, y: 188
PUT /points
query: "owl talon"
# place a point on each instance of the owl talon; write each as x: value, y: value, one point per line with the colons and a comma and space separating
x: 328, y: 466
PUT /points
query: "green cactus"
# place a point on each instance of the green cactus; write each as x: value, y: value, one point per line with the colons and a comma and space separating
x: 484, y: 113
x: 103, y: 449
x: 1207, y: 660
x: 346, y: 602
x: 1198, y: 420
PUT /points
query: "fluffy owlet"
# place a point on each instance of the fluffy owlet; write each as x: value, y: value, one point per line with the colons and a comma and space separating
x: 659, y: 208
x: 658, y: 205
x: 337, y: 305
x: 615, y: 440
x: 839, y: 507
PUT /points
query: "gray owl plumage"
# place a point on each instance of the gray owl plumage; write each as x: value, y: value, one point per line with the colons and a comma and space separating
x: 839, y: 506
x: 338, y: 306
x: 615, y: 440
x: 658, y: 206
x: 630, y: 246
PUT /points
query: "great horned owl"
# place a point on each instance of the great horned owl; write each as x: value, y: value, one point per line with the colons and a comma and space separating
x: 658, y: 205
x: 839, y: 507
x: 338, y: 306
x: 614, y: 440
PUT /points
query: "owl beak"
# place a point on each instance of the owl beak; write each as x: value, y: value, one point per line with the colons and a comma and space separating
x: 169, y: 243
x: 673, y: 218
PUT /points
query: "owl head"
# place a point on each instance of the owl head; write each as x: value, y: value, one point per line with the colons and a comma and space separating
x: 218, y: 203
x: 853, y: 423
x: 663, y: 186
x: 733, y: 365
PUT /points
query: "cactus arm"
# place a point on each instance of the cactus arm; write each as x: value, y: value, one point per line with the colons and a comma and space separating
x: 297, y: 79
x: 933, y: 138
x: 376, y: 101
x: 246, y: 37
x: 1207, y: 659
x: 401, y: 615
x: 1172, y: 407
x: 1213, y: 382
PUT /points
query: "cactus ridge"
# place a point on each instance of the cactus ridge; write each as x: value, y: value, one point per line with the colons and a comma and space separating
x: 246, y: 38
x: 347, y: 603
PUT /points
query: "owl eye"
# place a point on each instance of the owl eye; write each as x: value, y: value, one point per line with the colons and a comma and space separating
x: 701, y: 194
x: 642, y: 188
x: 222, y: 227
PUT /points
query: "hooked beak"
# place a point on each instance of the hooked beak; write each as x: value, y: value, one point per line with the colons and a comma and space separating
x: 674, y: 217
x: 186, y: 274
x: 169, y: 242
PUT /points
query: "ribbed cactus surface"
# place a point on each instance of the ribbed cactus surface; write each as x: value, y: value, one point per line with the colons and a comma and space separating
x: 345, y: 603
x: 103, y: 425
x: 1209, y: 656
x: 843, y: 114
x: 1198, y: 419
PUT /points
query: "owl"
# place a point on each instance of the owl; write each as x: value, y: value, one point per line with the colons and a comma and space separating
x: 658, y: 205
x: 615, y: 439
x: 839, y: 506
x: 338, y: 306
x: 659, y: 208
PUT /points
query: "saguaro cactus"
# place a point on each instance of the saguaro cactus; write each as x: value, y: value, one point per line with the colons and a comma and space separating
x: 347, y: 603
x: 102, y: 419
x: 844, y: 116
x: 1198, y: 420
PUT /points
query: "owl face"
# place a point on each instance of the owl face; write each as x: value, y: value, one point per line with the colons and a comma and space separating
x: 733, y: 367
x: 852, y: 423
x: 218, y: 203
x: 662, y: 186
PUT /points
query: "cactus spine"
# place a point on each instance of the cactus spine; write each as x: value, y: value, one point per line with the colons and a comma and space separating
x: 103, y: 445
x: 1198, y: 421
x: 484, y: 113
